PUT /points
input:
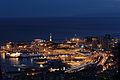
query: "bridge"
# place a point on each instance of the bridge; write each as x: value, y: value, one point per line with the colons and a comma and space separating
x: 78, y: 67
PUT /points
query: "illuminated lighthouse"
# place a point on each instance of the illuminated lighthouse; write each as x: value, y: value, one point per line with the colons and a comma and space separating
x: 51, y: 37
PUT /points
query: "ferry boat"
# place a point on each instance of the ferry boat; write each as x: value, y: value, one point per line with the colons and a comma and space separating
x: 14, y: 55
x: 21, y: 55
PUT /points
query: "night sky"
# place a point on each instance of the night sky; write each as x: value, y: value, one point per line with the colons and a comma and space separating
x: 59, y: 8
x: 29, y: 19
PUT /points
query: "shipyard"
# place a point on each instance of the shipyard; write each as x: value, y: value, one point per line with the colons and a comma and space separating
x: 38, y: 59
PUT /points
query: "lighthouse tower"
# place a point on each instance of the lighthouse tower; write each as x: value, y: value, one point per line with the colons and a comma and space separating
x: 51, y: 37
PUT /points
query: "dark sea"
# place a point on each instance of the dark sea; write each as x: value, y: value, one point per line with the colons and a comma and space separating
x: 27, y: 29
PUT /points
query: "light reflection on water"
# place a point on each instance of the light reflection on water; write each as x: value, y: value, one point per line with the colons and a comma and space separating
x: 7, y: 63
x: 2, y: 55
x: 14, y: 61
